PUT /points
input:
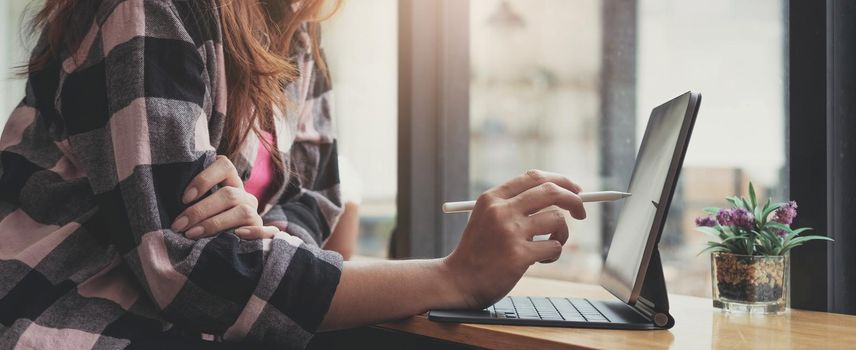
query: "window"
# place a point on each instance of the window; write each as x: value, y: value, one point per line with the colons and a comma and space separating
x: 13, y: 52
x: 534, y: 104
x: 567, y: 86
x: 363, y: 67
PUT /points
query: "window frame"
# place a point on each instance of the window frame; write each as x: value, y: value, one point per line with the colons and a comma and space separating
x: 821, y: 153
x: 433, y: 134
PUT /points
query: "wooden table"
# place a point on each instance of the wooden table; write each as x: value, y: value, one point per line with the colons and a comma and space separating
x: 698, y: 326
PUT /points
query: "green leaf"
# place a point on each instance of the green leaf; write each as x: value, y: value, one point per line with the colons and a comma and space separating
x: 810, y: 238
x: 714, y: 249
x: 727, y: 231
x: 787, y: 241
x: 752, y: 195
x: 747, y: 205
x: 729, y: 239
x: 711, y: 210
x: 768, y: 209
x: 766, y: 246
x: 796, y: 242
x: 800, y: 230
x: 710, y: 231
x: 771, y: 248
x: 779, y: 226
x: 737, y: 202
x: 770, y: 241
x: 757, y: 214
x: 750, y: 245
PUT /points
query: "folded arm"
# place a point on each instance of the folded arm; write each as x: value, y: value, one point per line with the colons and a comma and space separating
x: 142, y: 135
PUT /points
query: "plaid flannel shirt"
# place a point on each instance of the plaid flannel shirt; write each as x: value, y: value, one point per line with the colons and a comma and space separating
x: 93, y: 164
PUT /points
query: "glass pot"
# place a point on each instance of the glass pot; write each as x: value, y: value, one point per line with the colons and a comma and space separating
x: 750, y: 284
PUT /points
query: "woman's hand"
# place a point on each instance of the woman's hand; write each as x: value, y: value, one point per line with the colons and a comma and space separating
x: 494, y: 252
x: 227, y: 208
x: 497, y: 247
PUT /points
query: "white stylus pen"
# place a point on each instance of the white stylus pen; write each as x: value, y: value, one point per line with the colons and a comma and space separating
x: 603, y: 196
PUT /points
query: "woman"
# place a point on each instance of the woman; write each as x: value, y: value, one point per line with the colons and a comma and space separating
x: 154, y: 133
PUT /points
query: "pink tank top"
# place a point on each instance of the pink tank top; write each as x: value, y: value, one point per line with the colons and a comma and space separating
x: 262, y: 174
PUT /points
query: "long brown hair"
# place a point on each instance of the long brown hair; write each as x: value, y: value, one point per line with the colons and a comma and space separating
x: 257, y: 37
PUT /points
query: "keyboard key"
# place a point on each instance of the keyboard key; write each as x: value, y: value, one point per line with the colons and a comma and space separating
x: 573, y: 317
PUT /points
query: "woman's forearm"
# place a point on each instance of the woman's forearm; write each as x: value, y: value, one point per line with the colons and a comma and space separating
x: 495, y: 250
x: 373, y: 292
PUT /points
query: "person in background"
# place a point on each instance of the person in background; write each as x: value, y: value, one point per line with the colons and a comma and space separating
x: 170, y: 178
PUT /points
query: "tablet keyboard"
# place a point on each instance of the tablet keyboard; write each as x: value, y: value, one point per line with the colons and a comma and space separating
x: 554, y: 309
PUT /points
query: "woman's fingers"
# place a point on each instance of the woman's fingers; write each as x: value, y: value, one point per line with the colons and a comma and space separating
x: 531, y: 179
x: 221, y: 171
x: 220, y: 201
x: 547, y: 194
x: 545, y: 251
x: 256, y: 232
x: 227, y: 208
x: 241, y: 215
x: 552, y: 222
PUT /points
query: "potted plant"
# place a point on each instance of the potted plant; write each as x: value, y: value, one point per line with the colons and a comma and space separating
x: 750, y: 260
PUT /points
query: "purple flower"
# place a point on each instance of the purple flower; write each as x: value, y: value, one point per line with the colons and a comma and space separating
x: 742, y: 218
x: 785, y: 214
x: 705, y: 221
x: 779, y: 232
x: 724, y: 217
x: 739, y: 217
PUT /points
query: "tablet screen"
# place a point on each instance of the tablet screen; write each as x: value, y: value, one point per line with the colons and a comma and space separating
x: 636, y: 220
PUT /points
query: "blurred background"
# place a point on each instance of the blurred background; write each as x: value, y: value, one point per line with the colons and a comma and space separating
x: 565, y: 86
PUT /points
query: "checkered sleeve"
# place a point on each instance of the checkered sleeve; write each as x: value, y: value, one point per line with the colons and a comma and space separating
x: 311, y: 204
x: 139, y: 121
x: 310, y: 210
